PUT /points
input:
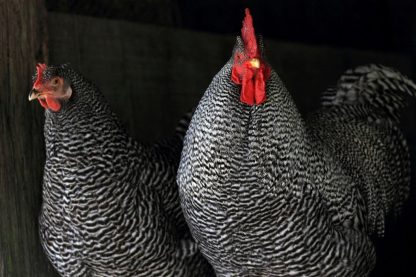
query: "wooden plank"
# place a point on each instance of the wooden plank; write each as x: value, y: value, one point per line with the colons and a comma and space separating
x: 21, y: 142
x: 159, y: 12
x: 150, y: 75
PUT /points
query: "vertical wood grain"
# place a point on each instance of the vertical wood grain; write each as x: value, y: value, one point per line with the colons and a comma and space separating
x: 22, y: 43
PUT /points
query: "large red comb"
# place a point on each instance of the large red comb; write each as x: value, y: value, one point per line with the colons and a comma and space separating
x: 40, y: 68
x: 249, y: 70
x: 249, y: 37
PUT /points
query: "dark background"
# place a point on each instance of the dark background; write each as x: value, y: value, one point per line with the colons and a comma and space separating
x: 153, y: 59
x: 386, y: 25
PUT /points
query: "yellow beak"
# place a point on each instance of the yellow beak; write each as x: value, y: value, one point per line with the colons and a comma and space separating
x: 255, y: 63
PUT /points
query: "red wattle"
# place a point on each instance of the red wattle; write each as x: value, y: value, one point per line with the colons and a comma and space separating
x: 43, y: 103
x: 52, y: 103
x: 252, y: 80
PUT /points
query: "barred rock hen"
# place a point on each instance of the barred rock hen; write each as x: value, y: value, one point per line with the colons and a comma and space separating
x: 110, y: 206
x: 268, y: 194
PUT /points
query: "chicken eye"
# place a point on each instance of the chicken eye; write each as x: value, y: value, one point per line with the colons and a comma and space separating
x: 55, y: 81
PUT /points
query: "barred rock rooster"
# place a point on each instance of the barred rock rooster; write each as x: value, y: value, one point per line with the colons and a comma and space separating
x: 267, y: 193
x: 110, y: 205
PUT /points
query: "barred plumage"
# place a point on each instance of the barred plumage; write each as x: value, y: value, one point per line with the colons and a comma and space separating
x: 268, y: 194
x: 359, y: 124
x: 110, y: 205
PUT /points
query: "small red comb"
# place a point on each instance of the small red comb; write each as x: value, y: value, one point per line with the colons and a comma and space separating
x: 40, y: 68
x: 249, y: 37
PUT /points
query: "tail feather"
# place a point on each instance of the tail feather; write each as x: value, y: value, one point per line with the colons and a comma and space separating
x: 183, y: 125
x: 377, y: 86
x: 172, y: 147
x: 362, y: 113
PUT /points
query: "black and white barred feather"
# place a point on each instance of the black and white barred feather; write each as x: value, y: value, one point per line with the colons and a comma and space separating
x: 110, y: 206
x: 359, y: 124
x: 266, y: 194
x: 373, y: 85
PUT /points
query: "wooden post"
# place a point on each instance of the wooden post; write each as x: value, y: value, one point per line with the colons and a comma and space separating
x: 22, y: 40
